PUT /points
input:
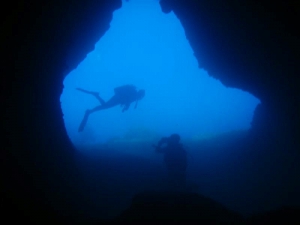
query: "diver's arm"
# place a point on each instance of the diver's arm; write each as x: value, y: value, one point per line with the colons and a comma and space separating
x: 160, y: 149
x: 126, y: 107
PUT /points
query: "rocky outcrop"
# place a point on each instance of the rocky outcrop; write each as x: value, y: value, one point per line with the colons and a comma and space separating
x: 250, y: 46
x: 41, y: 42
x: 283, y: 215
x: 177, y: 207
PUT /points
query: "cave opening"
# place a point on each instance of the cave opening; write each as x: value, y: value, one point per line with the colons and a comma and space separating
x: 149, y: 49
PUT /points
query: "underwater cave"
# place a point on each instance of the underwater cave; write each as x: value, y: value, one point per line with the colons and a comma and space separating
x: 222, y: 79
x: 149, y: 49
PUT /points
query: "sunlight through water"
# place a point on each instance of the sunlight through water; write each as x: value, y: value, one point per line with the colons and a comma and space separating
x: 149, y: 49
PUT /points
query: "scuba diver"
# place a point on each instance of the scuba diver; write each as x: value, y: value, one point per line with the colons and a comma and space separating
x: 124, y: 96
x: 175, y: 159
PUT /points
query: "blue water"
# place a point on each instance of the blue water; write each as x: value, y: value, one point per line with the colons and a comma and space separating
x: 149, y: 49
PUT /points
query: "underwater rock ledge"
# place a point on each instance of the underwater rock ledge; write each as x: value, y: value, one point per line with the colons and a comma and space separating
x: 159, y: 206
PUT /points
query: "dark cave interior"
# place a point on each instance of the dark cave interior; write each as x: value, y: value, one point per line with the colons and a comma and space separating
x: 252, y: 46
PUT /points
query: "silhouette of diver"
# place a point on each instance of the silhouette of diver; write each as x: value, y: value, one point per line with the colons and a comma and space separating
x: 124, y: 96
x: 175, y: 159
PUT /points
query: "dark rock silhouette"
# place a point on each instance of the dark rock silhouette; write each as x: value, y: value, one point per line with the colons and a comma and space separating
x: 284, y: 215
x: 178, y: 207
x: 238, y: 62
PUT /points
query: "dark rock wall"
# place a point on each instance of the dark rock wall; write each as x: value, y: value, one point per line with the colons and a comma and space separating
x: 249, y: 46
x: 42, y: 42
x: 252, y: 46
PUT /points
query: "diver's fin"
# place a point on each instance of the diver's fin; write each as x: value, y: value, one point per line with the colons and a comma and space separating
x: 83, y: 122
x: 87, y: 92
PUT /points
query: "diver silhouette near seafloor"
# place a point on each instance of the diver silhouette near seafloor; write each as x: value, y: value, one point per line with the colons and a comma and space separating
x: 175, y: 159
x: 124, y: 96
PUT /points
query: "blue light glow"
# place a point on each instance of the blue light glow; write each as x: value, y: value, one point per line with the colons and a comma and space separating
x: 148, y: 49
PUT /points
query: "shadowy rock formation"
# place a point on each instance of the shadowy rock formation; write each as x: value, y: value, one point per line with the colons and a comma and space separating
x: 285, y: 215
x: 177, y: 207
x: 41, y: 43
x: 258, y: 54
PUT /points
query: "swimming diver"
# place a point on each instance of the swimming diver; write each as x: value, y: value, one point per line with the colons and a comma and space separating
x: 124, y: 96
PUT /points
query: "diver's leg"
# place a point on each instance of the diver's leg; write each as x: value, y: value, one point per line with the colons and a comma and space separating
x: 112, y: 102
x: 84, y: 121
x: 87, y: 114
x: 95, y: 94
x: 109, y: 104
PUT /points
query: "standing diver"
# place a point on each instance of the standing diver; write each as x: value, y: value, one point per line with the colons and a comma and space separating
x: 175, y: 159
x: 124, y: 96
